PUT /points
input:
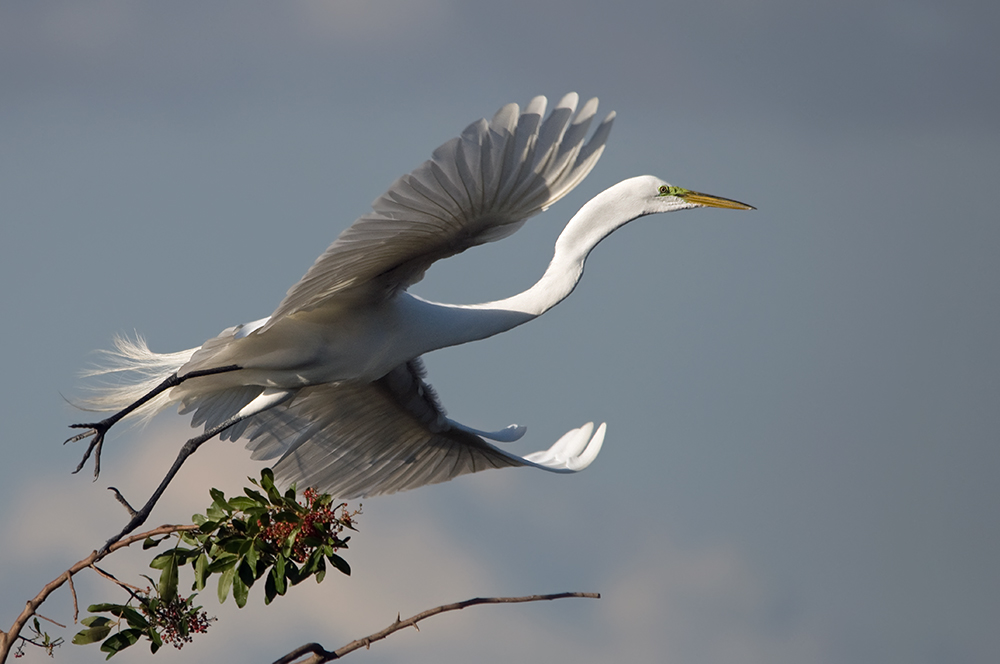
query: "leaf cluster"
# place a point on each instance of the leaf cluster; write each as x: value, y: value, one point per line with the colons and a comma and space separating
x: 154, y: 618
x: 39, y: 638
x: 262, y: 534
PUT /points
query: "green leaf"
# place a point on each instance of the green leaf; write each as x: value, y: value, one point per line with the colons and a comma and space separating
x: 256, y: 496
x: 266, y: 477
x: 251, y: 557
x: 265, y: 520
x: 219, y: 499
x: 153, y: 604
x: 97, y: 608
x: 235, y: 545
x: 314, y: 540
x: 339, y: 563
x: 94, y: 634
x: 149, y: 542
x: 279, y: 565
x: 307, y: 569
x: 273, y: 495
x: 291, y: 516
x: 200, y: 572
x: 270, y: 590
x: 240, y: 592
x: 119, y: 641
x: 226, y: 582
x: 167, y: 587
x: 242, y: 503
x: 120, y: 610
x: 286, y: 549
x: 184, y: 555
x: 163, y: 561
x: 206, y: 526
x: 96, y: 621
x: 192, y: 538
x: 293, y: 573
x: 134, y: 618
x: 222, y: 563
x: 246, y: 573
x: 279, y: 574
x: 320, y: 567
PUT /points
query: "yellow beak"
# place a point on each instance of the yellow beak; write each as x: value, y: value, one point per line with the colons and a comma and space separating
x: 713, y: 201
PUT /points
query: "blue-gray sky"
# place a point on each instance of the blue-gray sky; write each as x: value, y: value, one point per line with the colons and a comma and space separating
x: 802, y: 401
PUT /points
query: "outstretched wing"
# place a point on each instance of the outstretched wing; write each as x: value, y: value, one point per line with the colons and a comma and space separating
x: 476, y: 188
x: 363, y: 439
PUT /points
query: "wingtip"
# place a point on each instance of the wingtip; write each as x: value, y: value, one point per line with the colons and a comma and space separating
x: 536, y: 106
x: 590, y: 452
x: 588, y: 111
x: 569, y: 100
x: 573, y: 452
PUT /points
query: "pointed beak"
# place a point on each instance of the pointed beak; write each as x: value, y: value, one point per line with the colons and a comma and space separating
x: 713, y: 201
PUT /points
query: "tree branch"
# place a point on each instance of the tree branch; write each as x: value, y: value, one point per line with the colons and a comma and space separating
x: 121, y: 499
x: 127, y: 587
x: 189, y: 448
x: 72, y: 590
x: 8, y: 638
x: 320, y: 654
x: 57, y: 624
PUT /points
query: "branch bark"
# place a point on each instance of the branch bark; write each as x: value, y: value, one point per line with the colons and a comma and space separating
x: 9, y: 638
x: 319, y: 654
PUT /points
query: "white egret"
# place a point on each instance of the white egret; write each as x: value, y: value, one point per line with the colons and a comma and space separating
x: 331, y: 384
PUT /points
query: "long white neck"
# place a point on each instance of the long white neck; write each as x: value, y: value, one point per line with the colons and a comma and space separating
x: 608, y: 211
x: 596, y: 220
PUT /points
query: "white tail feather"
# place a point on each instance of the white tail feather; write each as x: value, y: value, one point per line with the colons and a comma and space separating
x: 133, y: 371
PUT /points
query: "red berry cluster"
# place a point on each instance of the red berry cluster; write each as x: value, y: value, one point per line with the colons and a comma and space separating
x: 177, y: 620
x: 277, y: 532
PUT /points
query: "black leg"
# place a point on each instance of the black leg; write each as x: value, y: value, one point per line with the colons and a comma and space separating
x: 139, y: 517
x: 99, y: 429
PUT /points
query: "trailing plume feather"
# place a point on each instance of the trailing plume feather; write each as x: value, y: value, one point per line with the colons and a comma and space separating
x: 131, y: 371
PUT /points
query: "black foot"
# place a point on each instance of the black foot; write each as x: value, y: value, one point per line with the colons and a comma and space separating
x: 97, y: 430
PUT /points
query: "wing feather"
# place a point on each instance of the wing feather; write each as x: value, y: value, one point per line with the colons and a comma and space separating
x: 476, y: 188
x: 354, y: 440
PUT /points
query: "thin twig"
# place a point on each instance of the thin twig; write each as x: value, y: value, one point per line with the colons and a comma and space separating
x: 189, y: 448
x: 320, y: 654
x: 121, y: 499
x: 57, y: 624
x: 8, y: 638
x: 72, y: 590
x: 132, y: 590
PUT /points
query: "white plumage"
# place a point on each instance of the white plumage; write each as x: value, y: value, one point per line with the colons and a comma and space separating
x: 331, y: 383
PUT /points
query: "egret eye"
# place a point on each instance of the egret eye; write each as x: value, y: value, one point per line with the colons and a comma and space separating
x: 664, y: 190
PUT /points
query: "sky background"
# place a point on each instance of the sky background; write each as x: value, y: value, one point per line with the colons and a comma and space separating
x: 802, y: 401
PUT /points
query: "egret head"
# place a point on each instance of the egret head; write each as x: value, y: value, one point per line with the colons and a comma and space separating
x: 665, y: 197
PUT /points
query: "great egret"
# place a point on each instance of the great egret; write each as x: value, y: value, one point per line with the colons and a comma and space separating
x: 332, y: 383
